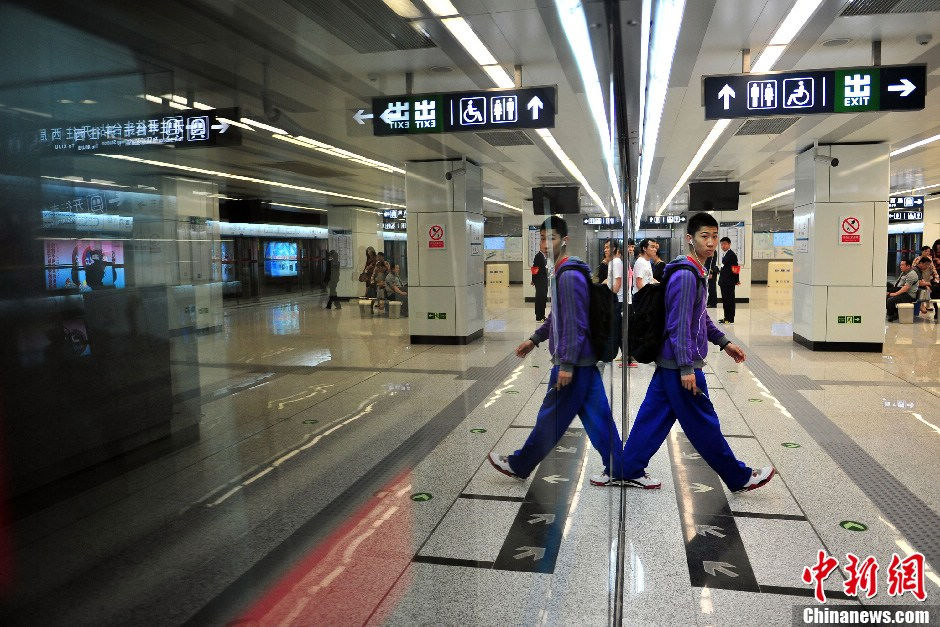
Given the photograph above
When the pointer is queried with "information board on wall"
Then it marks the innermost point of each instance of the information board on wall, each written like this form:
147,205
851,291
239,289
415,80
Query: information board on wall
735,232
778,245
509,249
535,239
342,244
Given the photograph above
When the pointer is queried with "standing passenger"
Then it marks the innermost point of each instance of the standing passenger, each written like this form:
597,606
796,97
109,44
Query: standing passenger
678,390
574,386
333,280
727,280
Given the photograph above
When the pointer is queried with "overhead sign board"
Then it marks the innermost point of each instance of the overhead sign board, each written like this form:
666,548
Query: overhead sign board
841,90
905,216
598,221
654,221
193,128
494,109
905,202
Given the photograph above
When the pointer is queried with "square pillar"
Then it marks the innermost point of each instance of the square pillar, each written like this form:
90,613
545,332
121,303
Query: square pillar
840,221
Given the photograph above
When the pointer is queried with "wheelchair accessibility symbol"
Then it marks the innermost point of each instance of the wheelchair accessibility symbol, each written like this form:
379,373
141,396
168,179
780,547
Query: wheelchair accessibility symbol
798,93
473,110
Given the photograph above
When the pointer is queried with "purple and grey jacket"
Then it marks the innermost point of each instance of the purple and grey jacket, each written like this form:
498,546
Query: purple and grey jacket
566,328
688,327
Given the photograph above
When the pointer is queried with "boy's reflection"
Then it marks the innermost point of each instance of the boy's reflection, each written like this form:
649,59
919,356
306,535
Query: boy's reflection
93,262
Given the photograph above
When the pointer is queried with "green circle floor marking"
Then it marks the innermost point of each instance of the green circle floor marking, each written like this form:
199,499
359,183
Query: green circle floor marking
420,497
512,391
477,430
755,400
790,445
851,525
311,422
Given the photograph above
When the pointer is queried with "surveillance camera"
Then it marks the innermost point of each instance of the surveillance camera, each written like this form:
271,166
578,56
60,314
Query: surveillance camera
450,175
924,39
835,162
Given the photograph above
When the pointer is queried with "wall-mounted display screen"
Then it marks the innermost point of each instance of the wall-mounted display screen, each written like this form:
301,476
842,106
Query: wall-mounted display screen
84,264
783,239
494,243
708,196
280,259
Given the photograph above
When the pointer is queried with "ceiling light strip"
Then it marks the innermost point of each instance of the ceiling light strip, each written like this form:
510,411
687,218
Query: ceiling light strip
710,140
574,23
501,204
248,179
264,126
774,197
918,144
663,40
566,161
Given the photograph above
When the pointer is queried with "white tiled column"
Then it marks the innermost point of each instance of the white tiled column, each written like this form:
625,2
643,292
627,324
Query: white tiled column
838,277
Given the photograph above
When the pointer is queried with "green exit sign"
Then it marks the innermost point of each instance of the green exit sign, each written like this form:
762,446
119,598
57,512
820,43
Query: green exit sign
437,315
850,319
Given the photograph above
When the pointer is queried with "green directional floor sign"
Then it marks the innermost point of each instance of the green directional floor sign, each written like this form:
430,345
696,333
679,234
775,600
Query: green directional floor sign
512,391
311,422
421,497
755,400
851,525
477,430
790,445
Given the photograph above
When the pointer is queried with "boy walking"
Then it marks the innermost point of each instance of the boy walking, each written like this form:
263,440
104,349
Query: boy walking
574,386
678,390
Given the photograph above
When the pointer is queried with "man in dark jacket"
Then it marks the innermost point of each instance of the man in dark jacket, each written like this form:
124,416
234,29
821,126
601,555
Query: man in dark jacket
540,281
678,390
727,280
574,386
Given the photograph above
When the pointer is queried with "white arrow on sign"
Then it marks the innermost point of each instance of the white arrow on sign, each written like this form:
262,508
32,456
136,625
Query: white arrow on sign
554,479
906,87
360,116
918,201
719,567
221,127
701,488
727,94
705,530
535,552
542,518
535,106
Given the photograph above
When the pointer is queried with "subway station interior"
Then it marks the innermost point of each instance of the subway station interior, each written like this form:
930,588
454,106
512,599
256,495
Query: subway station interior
267,269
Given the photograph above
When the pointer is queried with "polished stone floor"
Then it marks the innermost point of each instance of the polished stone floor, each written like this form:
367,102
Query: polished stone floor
339,477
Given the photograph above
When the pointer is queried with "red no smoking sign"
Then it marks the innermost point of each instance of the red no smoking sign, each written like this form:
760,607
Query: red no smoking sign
849,230
436,236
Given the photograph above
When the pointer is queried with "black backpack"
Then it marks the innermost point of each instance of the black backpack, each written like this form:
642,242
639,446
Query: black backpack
647,325
603,325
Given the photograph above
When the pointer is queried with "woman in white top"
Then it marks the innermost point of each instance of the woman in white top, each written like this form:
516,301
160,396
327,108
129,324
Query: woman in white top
642,268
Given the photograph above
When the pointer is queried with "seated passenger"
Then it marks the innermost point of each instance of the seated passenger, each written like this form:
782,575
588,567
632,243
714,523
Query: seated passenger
396,289
928,275
904,290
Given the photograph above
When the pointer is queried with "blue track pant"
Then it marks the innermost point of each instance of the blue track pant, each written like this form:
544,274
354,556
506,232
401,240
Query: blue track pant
584,397
667,401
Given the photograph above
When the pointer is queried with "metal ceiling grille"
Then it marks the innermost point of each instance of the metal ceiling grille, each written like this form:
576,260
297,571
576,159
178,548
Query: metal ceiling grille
715,175
505,138
766,126
366,25
305,169
883,7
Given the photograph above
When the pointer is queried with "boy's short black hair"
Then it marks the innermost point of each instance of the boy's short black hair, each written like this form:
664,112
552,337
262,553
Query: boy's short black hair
924,259
725,239
923,248
699,221
907,261
644,244
554,223
630,242
614,245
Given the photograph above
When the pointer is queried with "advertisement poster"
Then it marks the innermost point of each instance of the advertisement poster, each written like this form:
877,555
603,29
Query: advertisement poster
280,259
84,265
